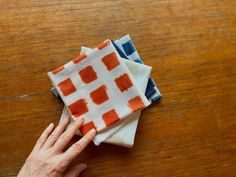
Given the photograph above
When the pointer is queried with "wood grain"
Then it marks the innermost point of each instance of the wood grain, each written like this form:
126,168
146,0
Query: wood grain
191,45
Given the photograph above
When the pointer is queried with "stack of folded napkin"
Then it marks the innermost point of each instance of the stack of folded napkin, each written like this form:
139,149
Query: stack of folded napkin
108,86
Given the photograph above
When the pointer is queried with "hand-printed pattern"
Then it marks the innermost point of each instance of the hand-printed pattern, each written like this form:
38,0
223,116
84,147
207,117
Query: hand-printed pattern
98,86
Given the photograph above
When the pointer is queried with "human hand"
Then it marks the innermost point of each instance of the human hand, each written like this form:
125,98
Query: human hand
49,157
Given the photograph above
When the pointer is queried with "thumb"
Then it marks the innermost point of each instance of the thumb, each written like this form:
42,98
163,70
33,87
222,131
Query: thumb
76,170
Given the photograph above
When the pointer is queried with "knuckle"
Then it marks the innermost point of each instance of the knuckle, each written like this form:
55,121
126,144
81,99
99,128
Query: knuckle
58,167
90,138
87,139
54,136
46,132
39,140
51,165
64,123
78,147
63,137
42,137
33,158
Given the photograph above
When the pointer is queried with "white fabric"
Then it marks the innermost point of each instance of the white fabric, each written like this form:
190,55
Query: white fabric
123,134
117,100
135,57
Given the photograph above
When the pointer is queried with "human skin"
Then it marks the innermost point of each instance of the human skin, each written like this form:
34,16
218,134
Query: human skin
49,156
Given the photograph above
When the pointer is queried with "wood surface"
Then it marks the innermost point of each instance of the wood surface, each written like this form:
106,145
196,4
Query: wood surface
191,45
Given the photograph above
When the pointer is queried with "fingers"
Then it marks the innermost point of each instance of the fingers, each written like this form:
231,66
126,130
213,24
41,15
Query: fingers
75,172
65,138
79,146
43,137
56,133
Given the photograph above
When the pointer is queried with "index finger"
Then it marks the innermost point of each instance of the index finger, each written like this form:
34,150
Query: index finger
79,146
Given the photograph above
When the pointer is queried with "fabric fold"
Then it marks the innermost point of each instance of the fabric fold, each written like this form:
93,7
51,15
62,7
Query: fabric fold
98,83
126,45
122,134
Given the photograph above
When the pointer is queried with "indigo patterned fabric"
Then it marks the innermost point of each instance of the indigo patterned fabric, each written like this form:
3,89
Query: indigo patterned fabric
119,51
126,49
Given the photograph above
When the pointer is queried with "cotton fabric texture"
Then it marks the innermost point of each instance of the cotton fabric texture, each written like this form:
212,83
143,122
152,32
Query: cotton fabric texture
122,134
98,83
127,47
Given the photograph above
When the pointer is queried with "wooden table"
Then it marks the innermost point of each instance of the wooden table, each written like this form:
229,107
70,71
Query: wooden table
191,45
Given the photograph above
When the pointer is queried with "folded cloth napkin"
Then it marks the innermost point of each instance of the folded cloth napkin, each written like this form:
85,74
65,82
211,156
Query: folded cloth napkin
126,45
122,134
98,83
125,135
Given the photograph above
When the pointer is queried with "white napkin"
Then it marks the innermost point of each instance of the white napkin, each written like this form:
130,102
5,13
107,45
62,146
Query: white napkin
98,83
123,134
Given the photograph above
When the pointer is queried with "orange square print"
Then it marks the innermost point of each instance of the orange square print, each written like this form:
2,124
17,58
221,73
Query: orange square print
58,70
67,87
103,45
78,108
99,95
110,117
123,82
110,61
88,74
136,104
86,127
80,58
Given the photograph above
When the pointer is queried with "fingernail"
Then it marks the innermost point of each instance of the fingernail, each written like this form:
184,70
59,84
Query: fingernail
92,131
51,125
